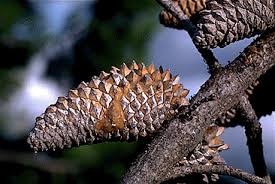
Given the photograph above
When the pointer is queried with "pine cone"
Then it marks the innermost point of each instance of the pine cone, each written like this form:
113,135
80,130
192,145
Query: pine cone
125,104
227,21
207,152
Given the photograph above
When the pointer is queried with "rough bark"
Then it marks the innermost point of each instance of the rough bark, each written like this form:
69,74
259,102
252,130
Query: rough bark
220,93
253,133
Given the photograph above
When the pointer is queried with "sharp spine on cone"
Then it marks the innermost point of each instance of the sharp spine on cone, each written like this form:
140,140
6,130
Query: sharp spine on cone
125,104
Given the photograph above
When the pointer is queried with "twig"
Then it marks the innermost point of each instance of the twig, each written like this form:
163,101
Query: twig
41,162
253,133
213,64
216,169
182,135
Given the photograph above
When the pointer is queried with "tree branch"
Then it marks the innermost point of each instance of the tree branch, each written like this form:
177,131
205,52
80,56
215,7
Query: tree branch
216,169
208,56
183,133
212,62
253,133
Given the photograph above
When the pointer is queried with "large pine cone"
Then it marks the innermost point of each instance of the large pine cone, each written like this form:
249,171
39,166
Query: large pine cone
222,22
226,21
124,104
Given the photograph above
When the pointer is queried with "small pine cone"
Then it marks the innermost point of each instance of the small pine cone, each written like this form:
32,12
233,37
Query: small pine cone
207,152
188,7
227,21
125,104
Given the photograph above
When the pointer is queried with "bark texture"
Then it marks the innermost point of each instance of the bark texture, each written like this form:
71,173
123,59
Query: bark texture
219,94
253,133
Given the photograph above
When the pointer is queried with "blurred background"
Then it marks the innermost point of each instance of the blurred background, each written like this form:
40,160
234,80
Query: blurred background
48,47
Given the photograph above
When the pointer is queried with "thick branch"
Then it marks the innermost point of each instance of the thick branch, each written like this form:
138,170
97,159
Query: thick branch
216,169
253,133
212,62
185,132
246,111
